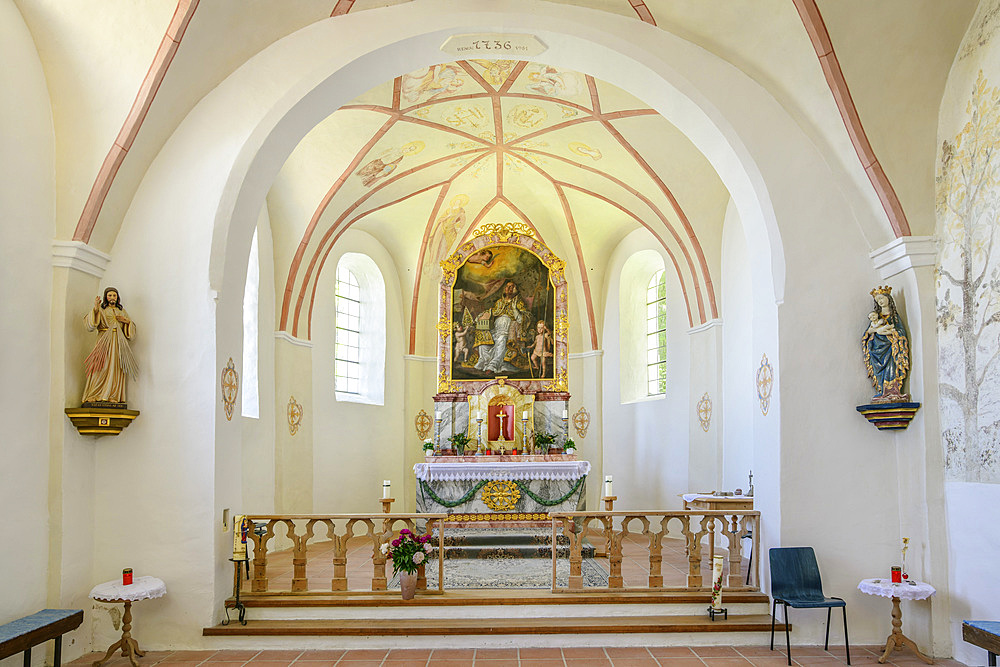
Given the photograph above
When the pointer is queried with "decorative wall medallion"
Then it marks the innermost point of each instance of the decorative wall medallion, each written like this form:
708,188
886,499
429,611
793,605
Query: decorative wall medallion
765,381
423,424
230,388
294,415
705,412
501,495
581,421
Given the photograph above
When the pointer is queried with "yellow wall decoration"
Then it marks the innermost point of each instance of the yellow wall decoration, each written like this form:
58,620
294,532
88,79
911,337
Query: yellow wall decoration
230,388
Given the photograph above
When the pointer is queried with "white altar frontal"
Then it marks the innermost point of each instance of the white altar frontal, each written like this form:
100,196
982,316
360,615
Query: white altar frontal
501,488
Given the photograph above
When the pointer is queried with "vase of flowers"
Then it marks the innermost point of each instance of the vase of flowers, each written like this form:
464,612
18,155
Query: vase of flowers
570,446
459,442
428,447
407,552
546,442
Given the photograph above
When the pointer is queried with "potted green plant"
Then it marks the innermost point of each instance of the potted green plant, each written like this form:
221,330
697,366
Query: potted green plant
545,441
428,447
569,446
459,442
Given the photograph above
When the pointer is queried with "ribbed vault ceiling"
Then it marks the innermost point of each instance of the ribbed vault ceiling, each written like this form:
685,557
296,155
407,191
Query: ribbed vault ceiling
423,159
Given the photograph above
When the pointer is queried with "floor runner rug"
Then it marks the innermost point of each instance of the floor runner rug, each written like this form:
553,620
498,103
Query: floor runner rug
509,573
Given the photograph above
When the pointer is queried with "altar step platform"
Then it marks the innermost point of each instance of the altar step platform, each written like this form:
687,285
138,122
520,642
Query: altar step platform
495,619
502,543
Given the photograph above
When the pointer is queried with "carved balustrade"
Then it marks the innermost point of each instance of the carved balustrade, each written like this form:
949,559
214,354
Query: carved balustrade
340,534
698,529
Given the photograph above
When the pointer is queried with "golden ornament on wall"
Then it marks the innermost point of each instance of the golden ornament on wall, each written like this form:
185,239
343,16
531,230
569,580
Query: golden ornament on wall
581,421
423,424
704,408
501,495
765,382
230,388
294,415
503,230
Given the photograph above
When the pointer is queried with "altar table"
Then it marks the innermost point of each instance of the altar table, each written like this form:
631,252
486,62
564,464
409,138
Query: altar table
507,488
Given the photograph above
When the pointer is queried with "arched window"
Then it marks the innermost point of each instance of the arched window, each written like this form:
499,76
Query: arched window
656,335
251,293
359,340
348,352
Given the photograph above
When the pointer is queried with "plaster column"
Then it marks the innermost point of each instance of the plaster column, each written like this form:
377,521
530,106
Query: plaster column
907,264
705,457
293,454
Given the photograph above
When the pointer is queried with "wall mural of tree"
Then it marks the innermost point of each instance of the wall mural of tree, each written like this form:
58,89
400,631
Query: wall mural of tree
968,291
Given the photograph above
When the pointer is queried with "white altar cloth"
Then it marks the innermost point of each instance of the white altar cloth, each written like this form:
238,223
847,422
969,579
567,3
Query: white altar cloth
918,590
519,471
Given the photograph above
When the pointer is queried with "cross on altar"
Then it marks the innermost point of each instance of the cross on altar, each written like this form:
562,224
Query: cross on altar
501,416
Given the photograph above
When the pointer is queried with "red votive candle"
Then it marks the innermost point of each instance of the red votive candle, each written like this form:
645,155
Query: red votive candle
897,574
127,576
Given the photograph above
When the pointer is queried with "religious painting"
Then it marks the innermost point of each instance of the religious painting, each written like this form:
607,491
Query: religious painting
502,314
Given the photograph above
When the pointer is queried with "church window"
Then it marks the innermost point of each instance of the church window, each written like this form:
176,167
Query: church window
656,335
348,351
251,294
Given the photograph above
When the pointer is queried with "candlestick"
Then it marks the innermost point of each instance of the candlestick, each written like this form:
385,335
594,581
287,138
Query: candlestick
524,433
565,413
607,486
437,414
386,487
437,431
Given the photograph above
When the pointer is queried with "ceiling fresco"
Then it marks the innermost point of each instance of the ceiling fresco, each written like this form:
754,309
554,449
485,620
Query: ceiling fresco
437,151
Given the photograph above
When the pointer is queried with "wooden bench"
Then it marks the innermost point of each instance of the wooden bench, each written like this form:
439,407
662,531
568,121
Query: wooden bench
22,634
984,634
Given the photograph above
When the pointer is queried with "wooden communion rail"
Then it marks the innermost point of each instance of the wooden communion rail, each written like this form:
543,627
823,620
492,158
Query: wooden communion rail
607,530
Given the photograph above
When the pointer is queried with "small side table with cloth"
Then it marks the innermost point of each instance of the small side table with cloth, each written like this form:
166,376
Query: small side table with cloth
918,590
143,588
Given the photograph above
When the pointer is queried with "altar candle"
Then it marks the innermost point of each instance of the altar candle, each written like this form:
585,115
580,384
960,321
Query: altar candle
437,414
386,487
524,415
717,562
565,413
607,486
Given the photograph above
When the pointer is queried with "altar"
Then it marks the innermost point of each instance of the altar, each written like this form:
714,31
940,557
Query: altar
501,488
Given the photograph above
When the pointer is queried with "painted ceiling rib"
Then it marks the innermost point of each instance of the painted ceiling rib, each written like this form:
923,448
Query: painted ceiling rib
673,258
514,74
581,264
706,275
642,11
638,195
334,189
171,41
342,7
397,87
595,99
819,36
350,209
428,229
311,287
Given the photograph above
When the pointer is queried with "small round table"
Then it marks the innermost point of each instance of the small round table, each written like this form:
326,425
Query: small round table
916,590
143,588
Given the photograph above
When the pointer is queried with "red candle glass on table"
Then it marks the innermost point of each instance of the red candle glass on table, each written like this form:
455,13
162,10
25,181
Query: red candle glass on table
127,576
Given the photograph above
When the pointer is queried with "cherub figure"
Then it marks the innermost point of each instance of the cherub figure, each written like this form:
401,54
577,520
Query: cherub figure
461,342
542,347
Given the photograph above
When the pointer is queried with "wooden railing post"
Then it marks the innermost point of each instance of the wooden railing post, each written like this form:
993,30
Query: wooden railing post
260,558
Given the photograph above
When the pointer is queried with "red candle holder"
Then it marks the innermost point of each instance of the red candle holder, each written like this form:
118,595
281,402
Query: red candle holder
897,574
127,576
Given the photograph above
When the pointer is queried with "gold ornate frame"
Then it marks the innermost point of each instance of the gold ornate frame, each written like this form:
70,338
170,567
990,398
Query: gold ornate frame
512,234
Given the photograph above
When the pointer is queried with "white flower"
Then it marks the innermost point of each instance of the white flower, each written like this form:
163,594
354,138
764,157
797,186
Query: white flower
385,548
428,548
418,558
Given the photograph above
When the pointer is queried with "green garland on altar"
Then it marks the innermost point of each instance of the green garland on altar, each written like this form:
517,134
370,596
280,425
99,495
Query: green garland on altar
520,485
550,503
441,501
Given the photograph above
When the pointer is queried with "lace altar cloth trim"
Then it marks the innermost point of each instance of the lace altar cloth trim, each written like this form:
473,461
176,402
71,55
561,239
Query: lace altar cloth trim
456,472
884,587
143,588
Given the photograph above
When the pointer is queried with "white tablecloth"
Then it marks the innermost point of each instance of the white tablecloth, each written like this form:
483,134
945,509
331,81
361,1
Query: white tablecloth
520,471
904,591
142,588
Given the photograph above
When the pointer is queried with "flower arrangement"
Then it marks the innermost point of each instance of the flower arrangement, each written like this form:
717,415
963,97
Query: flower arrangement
407,551
569,444
428,445
544,440
459,441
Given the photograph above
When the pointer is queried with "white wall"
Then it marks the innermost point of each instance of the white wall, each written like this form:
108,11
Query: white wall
645,440
366,439
27,175
737,402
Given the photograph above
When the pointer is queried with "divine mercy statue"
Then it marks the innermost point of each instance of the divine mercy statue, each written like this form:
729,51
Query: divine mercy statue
886,349
111,361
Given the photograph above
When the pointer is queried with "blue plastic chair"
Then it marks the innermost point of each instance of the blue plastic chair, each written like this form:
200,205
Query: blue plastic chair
795,582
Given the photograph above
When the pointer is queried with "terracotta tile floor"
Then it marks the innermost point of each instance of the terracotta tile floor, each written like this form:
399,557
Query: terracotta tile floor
667,656
319,564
